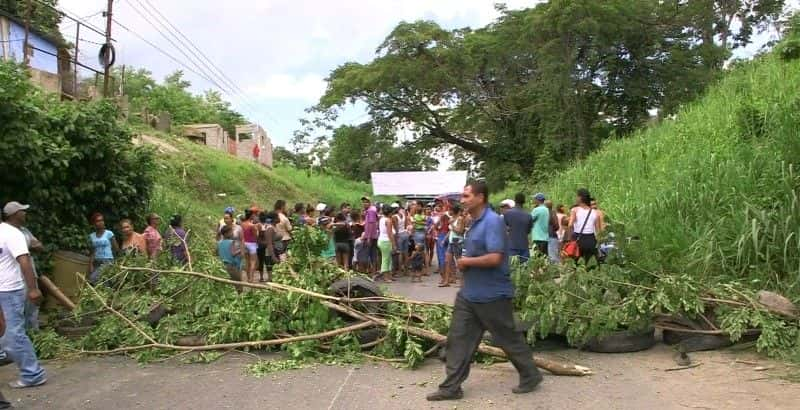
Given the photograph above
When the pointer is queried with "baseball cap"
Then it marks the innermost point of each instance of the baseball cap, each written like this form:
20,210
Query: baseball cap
321,207
539,197
508,202
13,207
365,198
395,205
229,210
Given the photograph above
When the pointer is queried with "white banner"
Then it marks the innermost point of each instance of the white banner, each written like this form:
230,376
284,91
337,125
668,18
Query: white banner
418,183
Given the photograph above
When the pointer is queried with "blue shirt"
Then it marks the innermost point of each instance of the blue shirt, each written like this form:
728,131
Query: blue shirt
487,235
225,253
519,224
102,244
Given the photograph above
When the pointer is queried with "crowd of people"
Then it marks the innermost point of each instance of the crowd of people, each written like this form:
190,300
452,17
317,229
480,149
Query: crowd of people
386,241
390,240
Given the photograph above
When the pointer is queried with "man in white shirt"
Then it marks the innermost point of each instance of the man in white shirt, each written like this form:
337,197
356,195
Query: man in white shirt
16,275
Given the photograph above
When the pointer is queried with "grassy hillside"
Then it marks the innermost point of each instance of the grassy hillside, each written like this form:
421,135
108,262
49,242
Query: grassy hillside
199,182
715,190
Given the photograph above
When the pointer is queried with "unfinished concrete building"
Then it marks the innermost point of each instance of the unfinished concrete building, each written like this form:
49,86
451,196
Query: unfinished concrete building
253,143
212,135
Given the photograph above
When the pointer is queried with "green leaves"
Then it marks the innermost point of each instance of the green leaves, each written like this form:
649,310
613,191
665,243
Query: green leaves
68,160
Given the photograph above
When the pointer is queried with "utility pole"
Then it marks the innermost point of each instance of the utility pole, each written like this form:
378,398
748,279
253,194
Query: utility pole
107,72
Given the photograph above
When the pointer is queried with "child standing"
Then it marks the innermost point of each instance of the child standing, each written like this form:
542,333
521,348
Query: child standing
231,255
417,263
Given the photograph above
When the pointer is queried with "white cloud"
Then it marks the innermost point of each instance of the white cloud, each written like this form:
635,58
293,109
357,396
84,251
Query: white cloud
278,51
308,87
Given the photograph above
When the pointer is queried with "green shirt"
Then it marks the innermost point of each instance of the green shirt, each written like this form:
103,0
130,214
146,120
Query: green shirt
541,220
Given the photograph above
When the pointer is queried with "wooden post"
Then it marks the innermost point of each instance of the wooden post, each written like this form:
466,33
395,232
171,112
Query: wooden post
75,63
107,71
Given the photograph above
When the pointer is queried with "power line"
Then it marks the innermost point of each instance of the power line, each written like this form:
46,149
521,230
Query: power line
72,23
177,47
75,19
199,67
180,33
192,45
92,42
213,70
160,50
170,56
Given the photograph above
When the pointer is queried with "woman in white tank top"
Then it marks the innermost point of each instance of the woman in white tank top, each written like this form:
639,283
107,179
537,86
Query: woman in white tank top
386,243
584,225
589,217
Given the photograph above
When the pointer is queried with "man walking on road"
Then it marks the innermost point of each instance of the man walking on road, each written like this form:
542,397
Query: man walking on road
484,302
519,224
16,274
541,224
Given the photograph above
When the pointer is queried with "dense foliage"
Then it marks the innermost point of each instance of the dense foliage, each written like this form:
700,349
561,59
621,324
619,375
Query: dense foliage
67,160
543,86
582,304
713,195
41,14
215,313
715,191
174,96
356,152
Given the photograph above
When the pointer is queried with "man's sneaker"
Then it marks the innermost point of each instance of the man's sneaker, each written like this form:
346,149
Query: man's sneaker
441,395
19,384
528,386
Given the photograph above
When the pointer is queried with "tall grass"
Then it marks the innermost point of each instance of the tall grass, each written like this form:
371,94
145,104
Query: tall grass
714,191
198,183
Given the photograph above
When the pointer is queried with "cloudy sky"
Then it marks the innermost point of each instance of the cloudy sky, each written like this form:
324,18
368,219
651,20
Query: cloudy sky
277,51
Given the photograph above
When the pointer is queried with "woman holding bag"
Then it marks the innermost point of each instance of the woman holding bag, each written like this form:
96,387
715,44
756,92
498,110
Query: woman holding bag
585,225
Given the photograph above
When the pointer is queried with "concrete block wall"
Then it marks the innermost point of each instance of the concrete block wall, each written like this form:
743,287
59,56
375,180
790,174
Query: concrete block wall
247,136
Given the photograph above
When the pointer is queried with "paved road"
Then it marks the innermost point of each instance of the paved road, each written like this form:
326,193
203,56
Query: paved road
625,381
629,381
426,291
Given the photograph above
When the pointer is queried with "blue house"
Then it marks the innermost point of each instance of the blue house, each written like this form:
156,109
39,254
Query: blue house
42,52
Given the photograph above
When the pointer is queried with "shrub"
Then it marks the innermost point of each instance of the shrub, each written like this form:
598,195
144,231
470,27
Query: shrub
67,160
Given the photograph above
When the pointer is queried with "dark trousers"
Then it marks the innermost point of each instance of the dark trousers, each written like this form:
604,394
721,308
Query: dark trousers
524,254
469,322
541,246
587,243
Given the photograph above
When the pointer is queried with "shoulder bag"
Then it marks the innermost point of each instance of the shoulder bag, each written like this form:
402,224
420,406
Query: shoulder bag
571,249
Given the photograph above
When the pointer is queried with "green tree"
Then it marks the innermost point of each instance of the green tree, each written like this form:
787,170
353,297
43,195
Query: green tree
68,160
220,112
356,151
559,78
43,17
175,98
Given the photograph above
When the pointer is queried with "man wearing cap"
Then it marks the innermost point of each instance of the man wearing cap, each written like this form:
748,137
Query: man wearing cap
519,223
484,302
371,232
505,206
541,224
16,275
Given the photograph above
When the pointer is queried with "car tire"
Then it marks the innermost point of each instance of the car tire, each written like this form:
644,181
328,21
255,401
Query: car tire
624,341
356,287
